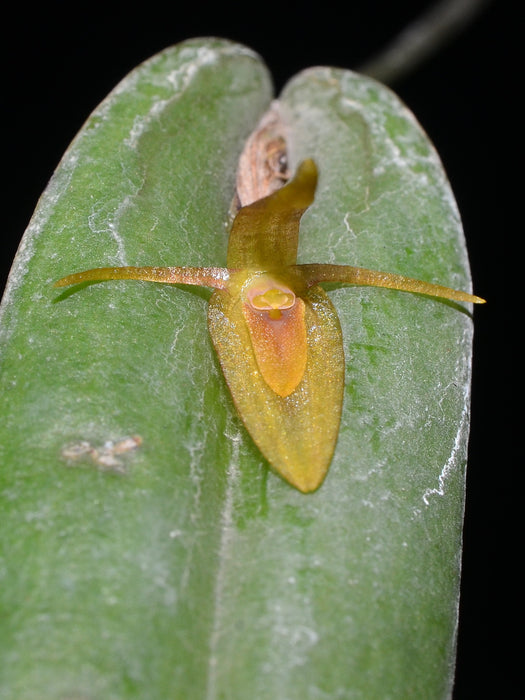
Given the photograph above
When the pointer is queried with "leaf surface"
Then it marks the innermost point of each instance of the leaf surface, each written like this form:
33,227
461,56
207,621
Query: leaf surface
188,569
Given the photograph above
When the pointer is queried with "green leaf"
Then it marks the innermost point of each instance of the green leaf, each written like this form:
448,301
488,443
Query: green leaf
184,568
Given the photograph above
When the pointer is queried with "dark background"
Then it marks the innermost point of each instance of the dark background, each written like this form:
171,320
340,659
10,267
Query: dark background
61,60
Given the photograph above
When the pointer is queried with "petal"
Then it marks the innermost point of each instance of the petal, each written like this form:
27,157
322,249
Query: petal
317,272
217,277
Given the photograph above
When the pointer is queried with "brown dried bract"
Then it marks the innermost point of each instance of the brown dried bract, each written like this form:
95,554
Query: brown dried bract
263,165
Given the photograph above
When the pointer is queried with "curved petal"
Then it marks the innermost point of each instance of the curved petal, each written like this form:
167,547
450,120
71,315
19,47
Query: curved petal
316,273
203,276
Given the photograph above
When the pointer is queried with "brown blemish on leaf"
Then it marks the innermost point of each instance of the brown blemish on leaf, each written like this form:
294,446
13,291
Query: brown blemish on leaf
106,457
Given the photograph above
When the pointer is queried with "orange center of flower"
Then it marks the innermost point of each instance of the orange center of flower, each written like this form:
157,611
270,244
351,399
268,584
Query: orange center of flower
269,295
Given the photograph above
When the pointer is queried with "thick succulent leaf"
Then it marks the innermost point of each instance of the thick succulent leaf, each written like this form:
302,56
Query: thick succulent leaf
109,579
183,567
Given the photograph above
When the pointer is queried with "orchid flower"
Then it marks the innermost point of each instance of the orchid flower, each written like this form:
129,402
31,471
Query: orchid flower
275,331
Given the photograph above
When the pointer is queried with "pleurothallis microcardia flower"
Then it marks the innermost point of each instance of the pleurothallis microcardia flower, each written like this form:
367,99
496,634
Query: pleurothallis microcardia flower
275,330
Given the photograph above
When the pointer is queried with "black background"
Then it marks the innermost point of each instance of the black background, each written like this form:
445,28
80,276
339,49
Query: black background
61,60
